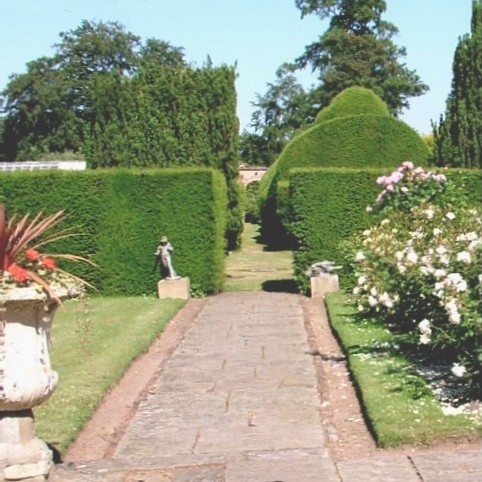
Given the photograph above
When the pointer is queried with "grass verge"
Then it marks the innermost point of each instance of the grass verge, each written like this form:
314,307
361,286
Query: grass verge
398,404
93,343
253,269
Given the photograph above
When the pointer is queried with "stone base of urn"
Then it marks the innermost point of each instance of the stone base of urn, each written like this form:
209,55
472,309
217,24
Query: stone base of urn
22,455
26,380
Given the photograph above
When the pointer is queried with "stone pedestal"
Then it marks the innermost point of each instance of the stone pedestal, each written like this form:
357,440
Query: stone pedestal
322,284
22,455
26,380
174,288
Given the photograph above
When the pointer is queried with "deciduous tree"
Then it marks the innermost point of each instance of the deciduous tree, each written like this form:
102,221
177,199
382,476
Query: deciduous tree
356,49
50,104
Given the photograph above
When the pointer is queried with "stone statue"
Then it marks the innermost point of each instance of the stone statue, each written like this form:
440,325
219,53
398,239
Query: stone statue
163,253
322,267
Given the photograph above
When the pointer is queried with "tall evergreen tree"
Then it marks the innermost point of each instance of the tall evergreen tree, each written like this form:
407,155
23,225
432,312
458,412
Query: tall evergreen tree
356,50
458,136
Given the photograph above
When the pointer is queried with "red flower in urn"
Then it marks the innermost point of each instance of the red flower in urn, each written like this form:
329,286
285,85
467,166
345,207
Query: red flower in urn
22,264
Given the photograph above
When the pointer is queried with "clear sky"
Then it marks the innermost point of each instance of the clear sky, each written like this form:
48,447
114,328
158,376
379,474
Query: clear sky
256,35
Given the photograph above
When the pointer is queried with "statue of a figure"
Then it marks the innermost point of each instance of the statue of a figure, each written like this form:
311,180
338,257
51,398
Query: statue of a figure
321,268
163,252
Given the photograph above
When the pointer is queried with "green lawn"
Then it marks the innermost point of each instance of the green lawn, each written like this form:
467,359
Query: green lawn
397,401
93,342
253,269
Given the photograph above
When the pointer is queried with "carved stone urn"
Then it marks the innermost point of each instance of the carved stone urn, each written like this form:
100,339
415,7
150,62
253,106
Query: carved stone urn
26,380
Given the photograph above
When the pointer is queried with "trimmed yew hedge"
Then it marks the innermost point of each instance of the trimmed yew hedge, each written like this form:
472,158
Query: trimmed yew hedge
353,101
120,216
327,206
355,141
354,131
169,117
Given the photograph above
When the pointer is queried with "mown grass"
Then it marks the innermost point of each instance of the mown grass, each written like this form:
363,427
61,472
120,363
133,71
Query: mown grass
252,268
93,342
399,406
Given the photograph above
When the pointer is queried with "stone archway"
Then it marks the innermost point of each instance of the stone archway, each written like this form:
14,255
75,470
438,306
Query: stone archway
249,174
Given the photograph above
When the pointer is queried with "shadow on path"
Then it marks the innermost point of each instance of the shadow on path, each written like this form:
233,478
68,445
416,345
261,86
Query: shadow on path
280,286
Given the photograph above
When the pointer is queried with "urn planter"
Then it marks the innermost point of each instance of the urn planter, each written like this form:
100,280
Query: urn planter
26,380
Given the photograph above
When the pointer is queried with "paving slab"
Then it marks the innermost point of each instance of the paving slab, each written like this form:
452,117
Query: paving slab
238,401
308,465
242,380
450,467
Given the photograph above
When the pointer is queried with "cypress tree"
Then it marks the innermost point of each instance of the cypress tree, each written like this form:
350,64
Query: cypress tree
458,136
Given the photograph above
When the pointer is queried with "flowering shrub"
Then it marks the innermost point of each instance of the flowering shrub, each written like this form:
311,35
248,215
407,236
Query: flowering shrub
22,264
420,268
409,186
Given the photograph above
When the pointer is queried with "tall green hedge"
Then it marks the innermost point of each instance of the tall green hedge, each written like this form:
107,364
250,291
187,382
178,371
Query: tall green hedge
353,132
327,206
168,117
120,216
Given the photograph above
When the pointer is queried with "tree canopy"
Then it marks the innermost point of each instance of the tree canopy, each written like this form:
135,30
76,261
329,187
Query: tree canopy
123,103
52,103
458,136
356,50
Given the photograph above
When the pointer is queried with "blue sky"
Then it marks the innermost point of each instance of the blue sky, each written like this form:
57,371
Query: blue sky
257,35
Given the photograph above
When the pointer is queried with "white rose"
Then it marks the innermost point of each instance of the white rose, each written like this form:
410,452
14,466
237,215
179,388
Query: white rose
455,318
474,244
458,370
386,300
399,255
424,327
425,270
359,256
453,312
464,257
444,259
441,250
440,273
412,256
424,339
457,281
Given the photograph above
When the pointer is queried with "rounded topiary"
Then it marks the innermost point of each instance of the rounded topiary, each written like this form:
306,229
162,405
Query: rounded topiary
353,101
354,141
355,131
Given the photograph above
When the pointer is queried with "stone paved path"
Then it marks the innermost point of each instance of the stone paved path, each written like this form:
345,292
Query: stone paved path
238,402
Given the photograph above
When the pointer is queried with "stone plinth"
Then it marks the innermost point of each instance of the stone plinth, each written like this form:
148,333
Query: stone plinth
324,283
174,288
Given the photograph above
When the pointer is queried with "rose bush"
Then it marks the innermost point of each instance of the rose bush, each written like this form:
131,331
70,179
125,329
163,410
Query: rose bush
419,269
